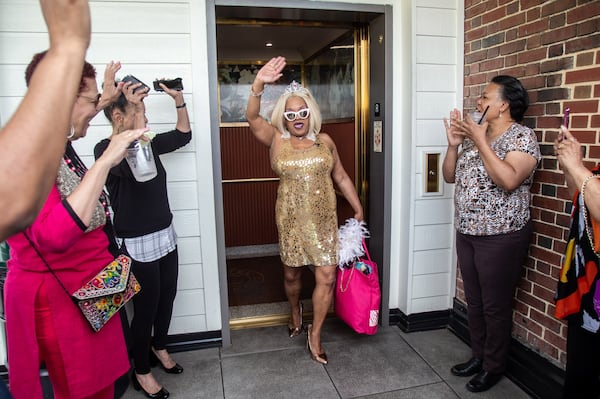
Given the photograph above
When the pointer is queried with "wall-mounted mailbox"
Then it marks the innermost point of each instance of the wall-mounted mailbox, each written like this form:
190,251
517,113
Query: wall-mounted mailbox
432,173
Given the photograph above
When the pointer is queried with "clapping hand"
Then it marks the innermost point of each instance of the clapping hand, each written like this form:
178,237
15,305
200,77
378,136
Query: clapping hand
453,134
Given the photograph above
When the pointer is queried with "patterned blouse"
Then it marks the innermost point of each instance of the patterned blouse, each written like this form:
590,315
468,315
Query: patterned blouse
481,207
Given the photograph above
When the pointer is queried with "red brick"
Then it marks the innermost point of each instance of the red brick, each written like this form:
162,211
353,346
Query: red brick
532,14
582,92
579,121
583,12
557,35
578,107
547,321
584,75
534,27
532,55
557,6
582,43
531,301
555,339
493,15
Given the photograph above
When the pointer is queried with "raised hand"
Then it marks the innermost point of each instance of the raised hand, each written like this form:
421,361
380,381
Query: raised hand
568,150
453,134
110,90
69,23
271,71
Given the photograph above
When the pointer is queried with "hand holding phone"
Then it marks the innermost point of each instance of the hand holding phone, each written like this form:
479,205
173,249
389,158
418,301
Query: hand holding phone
175,84
565,123
134,80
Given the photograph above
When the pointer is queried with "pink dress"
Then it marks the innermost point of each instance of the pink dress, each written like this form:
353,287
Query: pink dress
92,360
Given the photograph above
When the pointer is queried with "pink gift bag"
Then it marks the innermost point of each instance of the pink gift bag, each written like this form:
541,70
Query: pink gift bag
357,295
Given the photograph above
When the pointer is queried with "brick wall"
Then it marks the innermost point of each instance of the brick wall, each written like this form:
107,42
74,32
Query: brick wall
553,47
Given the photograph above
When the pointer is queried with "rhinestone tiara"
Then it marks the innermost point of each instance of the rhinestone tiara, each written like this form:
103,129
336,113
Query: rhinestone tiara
295,87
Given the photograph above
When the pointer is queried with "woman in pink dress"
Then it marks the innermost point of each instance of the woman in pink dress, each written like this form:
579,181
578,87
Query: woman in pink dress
73,234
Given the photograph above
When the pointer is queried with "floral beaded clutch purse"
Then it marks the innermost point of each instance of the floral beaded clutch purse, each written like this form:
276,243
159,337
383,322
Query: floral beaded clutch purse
108,291
102,297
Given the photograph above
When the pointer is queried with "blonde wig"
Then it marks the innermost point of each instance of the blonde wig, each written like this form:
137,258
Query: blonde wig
296,90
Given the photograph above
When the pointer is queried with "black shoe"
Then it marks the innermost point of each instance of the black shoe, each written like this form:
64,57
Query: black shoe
473,366
154,361
162,394
483,381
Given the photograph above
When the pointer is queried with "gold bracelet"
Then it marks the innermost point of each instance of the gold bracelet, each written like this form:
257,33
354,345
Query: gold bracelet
587,225
254,94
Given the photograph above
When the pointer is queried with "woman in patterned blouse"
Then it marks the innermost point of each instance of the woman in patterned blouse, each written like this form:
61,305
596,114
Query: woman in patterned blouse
492,163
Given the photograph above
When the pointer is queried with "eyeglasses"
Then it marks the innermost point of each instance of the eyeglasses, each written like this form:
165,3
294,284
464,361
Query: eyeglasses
291,116
93,100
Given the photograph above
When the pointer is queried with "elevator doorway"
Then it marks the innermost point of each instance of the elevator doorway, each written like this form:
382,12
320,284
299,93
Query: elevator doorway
332,60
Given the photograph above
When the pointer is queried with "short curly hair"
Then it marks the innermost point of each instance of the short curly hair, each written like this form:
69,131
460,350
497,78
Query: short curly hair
88,70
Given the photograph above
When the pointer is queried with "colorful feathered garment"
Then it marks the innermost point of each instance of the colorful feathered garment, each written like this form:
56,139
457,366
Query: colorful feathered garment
578,291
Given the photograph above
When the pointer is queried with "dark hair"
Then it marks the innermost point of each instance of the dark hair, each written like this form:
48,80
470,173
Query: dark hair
516,95
88,70
120,104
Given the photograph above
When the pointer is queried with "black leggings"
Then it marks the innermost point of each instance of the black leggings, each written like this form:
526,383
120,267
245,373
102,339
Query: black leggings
153,307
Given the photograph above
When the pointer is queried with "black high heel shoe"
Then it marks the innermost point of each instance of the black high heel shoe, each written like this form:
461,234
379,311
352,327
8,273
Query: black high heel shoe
295,331
162,394
154,361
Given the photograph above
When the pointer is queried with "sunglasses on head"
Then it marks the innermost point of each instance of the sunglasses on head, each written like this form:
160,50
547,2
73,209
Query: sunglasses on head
291,116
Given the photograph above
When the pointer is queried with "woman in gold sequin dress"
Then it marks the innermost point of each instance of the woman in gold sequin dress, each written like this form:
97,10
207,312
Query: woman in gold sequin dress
307,164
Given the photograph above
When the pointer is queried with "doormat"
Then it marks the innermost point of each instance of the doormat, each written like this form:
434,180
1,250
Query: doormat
252,281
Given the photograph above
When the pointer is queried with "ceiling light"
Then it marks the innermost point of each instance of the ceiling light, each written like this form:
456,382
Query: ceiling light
268,44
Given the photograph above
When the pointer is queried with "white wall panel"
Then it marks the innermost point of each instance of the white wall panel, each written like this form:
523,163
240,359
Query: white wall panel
434,211
188,324
432,261
189,250
436,78
432,237
430,304
189,303
436,21
186,223
183,195
450,4
431,285
18,47
151,18
434,105
180,166
431,132
190,277
436,50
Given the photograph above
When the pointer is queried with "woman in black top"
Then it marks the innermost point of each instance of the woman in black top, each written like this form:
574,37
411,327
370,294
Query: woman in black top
143,225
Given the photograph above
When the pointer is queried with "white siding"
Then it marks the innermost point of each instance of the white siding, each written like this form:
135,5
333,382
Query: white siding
437,80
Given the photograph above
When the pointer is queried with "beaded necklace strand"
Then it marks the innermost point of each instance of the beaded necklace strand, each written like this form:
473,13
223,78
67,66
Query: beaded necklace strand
76,165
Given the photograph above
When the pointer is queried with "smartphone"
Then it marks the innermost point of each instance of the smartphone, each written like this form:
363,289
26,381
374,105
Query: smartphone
565,123
134,80
566,117
175,84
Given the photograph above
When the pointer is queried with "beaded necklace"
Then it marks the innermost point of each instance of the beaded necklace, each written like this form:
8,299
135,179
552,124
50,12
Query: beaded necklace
76,165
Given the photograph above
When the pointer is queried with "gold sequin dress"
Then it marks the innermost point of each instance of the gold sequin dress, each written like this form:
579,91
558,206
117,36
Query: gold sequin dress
305,211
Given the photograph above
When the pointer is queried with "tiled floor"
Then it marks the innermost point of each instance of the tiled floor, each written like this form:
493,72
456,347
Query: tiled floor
264,363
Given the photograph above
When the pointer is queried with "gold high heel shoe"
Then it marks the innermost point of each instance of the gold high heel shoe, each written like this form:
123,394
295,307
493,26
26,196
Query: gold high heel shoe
295,331
317,357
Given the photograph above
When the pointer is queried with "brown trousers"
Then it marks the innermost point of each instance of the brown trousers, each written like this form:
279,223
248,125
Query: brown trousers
491,268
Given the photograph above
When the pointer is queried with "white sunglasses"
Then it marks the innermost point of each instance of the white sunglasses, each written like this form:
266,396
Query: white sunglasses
291,116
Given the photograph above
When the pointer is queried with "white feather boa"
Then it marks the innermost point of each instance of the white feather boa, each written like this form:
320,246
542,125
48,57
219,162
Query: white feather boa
350,237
